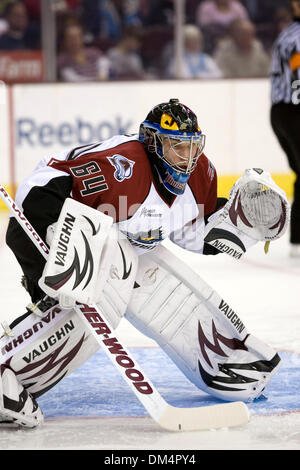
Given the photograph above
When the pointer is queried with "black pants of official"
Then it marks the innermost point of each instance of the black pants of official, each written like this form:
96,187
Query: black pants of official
285,121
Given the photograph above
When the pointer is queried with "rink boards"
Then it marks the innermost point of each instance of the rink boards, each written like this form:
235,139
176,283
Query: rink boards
43,119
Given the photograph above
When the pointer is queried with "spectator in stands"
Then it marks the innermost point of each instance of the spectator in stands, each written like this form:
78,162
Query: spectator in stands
3,6
20,33
77,63
220,12
157,12
104,19
125,58
263,13
196,64
242,55
3,26
3,22
282,18
33,9
215,16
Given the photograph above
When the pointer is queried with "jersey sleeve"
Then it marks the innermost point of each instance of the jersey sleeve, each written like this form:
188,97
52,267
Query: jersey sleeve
211,195
203,184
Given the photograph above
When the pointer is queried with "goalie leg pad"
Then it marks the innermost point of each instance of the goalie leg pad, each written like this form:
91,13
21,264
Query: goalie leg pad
120,278
41,351
198,330
17,406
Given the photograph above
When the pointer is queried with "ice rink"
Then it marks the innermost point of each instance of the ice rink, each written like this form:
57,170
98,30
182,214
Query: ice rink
94,409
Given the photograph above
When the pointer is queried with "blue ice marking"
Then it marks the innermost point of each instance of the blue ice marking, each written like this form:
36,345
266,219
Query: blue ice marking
96,389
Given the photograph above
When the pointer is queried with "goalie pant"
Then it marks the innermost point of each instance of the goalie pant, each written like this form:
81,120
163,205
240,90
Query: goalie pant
171,304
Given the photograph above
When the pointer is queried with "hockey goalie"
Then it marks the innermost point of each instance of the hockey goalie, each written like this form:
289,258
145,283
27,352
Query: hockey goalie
143,188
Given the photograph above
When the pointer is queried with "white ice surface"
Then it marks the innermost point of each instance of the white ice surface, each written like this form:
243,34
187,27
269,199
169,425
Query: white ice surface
264,290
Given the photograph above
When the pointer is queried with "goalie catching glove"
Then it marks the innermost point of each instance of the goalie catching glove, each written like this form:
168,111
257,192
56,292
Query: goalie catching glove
257,210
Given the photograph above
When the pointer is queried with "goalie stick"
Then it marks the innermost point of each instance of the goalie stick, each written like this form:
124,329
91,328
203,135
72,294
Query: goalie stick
166,415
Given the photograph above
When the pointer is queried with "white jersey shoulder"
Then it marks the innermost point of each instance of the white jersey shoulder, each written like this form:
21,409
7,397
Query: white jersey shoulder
43,173
75,152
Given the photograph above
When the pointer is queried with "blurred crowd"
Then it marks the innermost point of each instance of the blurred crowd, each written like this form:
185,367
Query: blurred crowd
134,39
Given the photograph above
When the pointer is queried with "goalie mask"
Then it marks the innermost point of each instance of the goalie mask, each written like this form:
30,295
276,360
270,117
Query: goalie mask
171,133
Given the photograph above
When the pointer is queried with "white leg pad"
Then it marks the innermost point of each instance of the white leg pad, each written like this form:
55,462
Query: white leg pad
44,350
17,406
198,330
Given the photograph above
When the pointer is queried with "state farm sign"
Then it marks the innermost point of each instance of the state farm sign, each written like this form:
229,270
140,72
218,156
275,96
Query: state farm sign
21,66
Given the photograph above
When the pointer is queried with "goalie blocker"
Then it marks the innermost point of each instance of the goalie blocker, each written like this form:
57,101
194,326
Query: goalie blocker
89,261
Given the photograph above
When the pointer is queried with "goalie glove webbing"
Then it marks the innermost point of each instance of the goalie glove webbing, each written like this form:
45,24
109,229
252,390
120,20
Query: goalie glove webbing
257,210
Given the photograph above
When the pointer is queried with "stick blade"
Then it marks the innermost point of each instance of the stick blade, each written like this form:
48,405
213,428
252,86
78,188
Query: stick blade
205,418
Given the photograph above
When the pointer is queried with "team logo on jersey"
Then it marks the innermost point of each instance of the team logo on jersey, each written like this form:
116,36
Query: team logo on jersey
123,166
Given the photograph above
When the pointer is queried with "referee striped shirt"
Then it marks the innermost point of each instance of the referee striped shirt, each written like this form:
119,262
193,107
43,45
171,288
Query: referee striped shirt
285,67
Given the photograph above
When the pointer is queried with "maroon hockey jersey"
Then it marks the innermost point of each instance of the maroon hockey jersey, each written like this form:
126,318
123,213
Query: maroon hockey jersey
116,177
